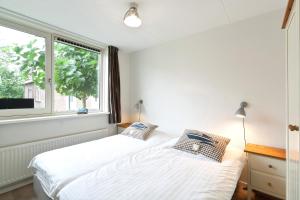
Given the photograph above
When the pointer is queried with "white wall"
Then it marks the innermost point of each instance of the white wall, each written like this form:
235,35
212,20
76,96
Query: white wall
198,82
11,134
125,85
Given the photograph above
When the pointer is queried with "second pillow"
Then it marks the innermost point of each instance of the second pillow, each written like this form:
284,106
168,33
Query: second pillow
139,130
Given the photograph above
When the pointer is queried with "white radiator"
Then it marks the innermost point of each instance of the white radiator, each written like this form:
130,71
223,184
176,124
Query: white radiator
15,159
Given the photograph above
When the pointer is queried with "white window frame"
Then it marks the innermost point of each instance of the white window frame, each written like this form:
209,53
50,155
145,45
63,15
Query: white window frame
48,47
100,75
49,35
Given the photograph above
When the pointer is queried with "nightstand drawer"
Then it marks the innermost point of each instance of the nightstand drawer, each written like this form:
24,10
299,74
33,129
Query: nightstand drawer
268,165
268,183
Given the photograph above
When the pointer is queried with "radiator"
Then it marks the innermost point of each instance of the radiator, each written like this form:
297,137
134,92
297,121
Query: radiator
14,160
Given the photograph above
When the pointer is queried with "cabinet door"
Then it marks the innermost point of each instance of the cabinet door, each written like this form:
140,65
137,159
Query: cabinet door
293,103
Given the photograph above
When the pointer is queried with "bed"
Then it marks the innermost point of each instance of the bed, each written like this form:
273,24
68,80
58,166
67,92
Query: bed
162,173
53,170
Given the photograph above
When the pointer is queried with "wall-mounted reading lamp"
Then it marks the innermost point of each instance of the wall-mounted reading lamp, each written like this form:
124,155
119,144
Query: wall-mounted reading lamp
241,113
139,107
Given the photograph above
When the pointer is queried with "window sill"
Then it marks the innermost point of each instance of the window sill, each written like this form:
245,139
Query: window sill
49,117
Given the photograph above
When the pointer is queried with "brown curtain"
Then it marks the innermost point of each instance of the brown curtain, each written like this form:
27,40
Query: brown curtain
114,91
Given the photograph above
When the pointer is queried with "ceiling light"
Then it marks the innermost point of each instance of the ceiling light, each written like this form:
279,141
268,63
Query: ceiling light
131,17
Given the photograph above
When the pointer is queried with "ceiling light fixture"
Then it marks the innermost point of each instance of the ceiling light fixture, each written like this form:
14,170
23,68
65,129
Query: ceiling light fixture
131,17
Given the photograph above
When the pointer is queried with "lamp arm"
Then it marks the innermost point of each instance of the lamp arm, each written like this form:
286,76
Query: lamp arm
244,131
140,111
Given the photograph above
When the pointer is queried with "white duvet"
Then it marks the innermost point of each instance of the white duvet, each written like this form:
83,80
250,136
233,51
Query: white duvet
57,168
160,173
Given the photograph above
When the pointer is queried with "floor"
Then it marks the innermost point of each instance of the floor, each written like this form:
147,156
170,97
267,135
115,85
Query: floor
241,194
23,193
26,193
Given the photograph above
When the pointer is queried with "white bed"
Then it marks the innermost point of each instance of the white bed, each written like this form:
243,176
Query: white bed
55,169
160,173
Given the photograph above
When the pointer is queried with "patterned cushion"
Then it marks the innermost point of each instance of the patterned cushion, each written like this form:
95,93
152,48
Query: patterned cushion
139,130
209,145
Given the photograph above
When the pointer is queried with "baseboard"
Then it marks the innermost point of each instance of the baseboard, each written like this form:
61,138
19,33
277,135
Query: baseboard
16,185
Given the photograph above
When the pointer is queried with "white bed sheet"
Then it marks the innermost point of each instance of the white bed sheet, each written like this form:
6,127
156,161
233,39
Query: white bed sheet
57,168
160,173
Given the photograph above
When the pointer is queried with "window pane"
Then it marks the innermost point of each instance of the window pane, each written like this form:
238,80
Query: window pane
22,69
76,78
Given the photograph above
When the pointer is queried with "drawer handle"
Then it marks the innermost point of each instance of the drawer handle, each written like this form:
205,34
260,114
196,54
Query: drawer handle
270,166
269,184
293,127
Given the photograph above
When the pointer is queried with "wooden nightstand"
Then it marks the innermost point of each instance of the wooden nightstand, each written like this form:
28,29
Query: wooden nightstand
123,126
266,170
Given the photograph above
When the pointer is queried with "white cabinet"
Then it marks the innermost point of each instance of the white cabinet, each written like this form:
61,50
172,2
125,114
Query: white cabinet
266,170
267,175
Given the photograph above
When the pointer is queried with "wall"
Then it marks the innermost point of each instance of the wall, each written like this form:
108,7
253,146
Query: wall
198,82
19,133
125,85
11,134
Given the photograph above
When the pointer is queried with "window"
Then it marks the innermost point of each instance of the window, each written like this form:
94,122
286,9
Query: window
64,79
23,65
76,76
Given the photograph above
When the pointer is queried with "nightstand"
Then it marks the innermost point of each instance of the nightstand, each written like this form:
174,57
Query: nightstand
266,170
122,126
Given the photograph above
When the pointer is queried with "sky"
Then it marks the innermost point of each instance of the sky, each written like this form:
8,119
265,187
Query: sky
10,36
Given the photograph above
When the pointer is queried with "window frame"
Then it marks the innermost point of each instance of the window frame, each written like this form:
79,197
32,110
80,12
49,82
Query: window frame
100,75
48,47
49,37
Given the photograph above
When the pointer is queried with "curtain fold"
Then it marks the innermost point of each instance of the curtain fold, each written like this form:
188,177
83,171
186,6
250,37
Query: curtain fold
114,90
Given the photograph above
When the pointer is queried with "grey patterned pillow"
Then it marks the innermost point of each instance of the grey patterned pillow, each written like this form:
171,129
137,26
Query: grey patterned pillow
139,130
209,145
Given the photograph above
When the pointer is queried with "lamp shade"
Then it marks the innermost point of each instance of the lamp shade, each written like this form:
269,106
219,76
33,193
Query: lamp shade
132,18
241,111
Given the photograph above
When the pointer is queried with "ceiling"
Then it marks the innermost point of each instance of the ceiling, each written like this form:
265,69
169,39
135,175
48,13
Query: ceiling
163,20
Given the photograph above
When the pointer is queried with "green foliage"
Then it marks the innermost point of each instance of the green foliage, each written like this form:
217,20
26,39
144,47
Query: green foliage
76,72
32,61
11,85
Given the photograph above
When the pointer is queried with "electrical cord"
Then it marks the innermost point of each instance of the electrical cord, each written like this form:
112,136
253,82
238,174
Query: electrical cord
244,132
245,141
140,111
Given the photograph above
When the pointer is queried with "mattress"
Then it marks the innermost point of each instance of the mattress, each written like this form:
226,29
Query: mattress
55,169
38,190
160,173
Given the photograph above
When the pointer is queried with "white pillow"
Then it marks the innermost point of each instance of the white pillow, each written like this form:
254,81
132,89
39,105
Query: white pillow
139,130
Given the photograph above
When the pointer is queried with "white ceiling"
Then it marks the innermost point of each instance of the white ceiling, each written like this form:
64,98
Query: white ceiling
163,20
